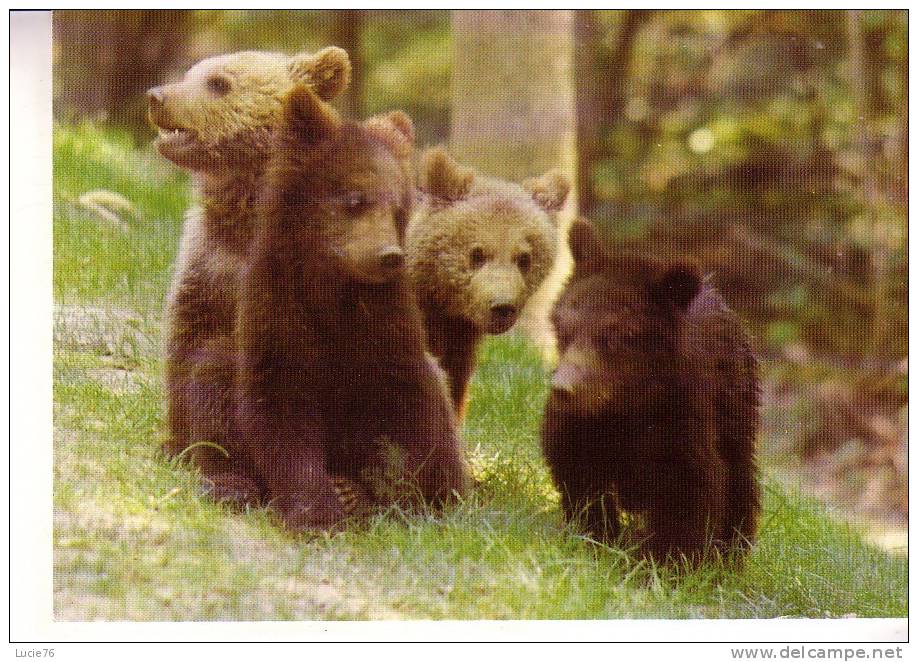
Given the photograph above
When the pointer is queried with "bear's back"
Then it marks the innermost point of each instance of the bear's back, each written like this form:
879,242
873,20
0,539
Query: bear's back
715,345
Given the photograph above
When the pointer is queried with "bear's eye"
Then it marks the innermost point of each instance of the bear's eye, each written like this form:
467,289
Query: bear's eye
564,337
477,257
524,261
355,202
219,85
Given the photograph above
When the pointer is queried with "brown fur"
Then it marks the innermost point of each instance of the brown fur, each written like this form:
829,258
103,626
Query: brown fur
225,143
334,378
654,404
477,249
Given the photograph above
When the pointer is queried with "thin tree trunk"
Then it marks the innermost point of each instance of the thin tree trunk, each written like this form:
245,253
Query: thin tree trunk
902,187
348,34
602,77
590,102
871,195
514,113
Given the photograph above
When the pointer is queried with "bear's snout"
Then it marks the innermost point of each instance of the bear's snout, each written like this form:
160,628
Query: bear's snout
576,380
503,316
379,265
391,258
156,96
158,111
565,379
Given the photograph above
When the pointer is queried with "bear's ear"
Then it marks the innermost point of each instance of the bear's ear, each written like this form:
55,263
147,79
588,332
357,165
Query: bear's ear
678,285
328,71
395,129
550,191
400,121
587,248
309,118
442,177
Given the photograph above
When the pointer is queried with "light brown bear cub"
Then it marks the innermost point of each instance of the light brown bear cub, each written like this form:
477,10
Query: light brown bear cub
218,122
477,249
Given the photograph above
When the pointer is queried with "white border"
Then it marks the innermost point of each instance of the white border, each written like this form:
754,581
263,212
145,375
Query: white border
30,435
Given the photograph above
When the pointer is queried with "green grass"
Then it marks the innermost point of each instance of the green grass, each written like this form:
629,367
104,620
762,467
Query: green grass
94,260
134,540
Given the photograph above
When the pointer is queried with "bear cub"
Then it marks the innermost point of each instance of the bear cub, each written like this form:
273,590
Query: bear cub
217,123
654,405
477,249
334,379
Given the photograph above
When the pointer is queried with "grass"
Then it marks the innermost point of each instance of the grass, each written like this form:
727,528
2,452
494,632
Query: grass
133,540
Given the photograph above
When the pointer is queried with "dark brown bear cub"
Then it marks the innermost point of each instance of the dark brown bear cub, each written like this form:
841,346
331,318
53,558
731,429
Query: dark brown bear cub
333,375
653,408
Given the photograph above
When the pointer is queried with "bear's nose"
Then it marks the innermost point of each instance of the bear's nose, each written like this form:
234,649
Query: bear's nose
156,96
391,258
565,379
503,312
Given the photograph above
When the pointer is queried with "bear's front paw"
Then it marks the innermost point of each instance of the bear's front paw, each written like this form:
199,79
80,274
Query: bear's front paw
310,509
232,489
353,497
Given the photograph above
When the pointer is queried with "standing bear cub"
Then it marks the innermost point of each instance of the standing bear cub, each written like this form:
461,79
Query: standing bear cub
334,379
477,248
218,122
653,408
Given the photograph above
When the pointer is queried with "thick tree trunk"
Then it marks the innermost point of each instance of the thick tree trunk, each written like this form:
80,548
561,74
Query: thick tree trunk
514,112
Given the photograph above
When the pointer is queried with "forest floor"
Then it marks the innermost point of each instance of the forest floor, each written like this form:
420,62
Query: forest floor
134,540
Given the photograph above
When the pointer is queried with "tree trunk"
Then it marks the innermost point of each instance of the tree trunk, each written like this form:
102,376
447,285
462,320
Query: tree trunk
871,195
901,188
602,75
106,60
348,34
591,100
514,113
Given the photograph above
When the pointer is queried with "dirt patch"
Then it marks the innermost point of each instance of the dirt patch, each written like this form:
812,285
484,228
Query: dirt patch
845,446
103,331
117,380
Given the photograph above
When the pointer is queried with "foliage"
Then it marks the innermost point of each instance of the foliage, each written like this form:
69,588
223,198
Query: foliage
742,141
748,138
409,67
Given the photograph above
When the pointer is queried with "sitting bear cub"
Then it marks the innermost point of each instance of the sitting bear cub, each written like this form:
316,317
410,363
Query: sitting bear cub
334,379
653,408
217,122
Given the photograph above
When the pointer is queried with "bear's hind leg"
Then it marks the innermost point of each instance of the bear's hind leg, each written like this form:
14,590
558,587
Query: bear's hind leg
738,420
598,513
744,505
200,386
422,469
232,488
687,514
429,463
292,464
